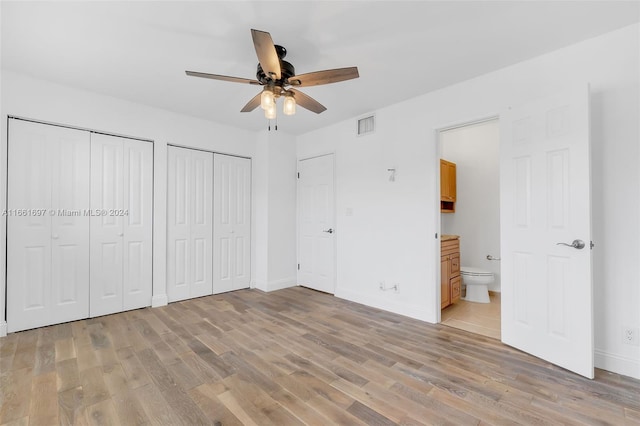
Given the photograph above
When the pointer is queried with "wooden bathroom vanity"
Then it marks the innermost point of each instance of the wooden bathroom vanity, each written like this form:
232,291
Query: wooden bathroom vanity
450,280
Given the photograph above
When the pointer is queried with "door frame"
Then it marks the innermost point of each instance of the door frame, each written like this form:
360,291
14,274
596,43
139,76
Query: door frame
438,222
333,214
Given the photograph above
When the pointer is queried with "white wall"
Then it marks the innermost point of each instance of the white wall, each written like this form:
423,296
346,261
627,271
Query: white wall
391,233
476,151
275,178
36,99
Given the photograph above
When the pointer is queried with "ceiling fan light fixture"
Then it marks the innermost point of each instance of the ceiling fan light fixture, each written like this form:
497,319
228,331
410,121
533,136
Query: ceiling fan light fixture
289,107
267,99
270,111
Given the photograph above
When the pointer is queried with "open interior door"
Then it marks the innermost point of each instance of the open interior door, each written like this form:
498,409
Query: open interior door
547,307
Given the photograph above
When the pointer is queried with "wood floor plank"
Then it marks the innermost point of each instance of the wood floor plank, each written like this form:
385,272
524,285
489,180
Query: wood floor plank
178,400
67,375
8,346
44,399
93,386
70,406
25,355
129,409
17,395
368,415
155,406
212,407
299,408
65,349
136,374
102,413
293,356
235,407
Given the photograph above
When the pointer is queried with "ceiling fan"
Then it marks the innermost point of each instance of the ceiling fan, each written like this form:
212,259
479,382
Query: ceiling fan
278,78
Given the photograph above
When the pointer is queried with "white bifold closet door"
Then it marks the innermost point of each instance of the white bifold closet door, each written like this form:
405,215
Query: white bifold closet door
231,223
121,224
189,223
47,228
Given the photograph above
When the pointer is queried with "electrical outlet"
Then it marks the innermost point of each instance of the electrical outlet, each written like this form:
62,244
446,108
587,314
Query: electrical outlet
630,336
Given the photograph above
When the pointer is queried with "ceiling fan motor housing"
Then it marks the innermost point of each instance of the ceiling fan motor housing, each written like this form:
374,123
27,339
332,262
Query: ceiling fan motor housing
287,70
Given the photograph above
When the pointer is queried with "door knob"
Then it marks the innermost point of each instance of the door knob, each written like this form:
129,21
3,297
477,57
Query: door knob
330,230
576,244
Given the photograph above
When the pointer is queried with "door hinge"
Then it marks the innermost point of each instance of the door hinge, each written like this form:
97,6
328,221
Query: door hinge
298,266
591,244
436,235
298,175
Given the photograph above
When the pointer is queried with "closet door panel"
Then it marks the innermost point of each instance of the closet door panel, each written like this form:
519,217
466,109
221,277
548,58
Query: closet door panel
189,220
138,224
201,230
242,225
106,228
28,237
178,213
232,223
47,236
70,194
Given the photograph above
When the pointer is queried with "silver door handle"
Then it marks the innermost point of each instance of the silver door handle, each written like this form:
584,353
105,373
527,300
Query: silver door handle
576,244
330,230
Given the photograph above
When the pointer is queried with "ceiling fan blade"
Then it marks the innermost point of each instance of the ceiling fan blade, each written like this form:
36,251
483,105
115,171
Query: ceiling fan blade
266,51
222,77
252,104
307,102
324,77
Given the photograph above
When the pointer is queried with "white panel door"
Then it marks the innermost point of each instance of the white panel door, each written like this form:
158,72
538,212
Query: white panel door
545,202
137,281
316,229
47,230
106,229
232,223
189,223
121,224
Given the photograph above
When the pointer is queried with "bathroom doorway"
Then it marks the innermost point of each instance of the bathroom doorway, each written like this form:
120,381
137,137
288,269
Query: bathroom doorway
470,227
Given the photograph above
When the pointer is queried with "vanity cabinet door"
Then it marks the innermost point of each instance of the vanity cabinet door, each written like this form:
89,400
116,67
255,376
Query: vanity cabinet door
445,293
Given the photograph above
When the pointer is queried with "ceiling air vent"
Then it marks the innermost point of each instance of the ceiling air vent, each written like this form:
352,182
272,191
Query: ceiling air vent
366,125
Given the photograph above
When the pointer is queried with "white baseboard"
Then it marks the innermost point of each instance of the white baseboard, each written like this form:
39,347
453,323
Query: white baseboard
3,328
412,311
276,285
617,364
159,300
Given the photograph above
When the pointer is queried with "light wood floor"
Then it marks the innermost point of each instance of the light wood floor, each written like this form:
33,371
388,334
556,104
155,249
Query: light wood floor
479,318
294,356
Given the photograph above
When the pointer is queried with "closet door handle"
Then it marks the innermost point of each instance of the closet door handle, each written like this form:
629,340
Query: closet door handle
330,230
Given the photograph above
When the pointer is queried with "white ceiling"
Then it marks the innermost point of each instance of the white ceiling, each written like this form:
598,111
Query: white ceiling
140,50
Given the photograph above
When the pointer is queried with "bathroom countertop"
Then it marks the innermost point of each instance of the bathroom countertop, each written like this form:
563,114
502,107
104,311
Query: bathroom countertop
445,237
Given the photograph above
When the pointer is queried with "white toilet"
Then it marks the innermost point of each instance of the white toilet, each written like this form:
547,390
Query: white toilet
476,280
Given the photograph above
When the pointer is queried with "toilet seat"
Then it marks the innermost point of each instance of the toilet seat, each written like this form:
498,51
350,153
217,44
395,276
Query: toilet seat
474,272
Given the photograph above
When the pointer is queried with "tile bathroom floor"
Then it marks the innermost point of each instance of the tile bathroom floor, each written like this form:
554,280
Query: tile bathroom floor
479,318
